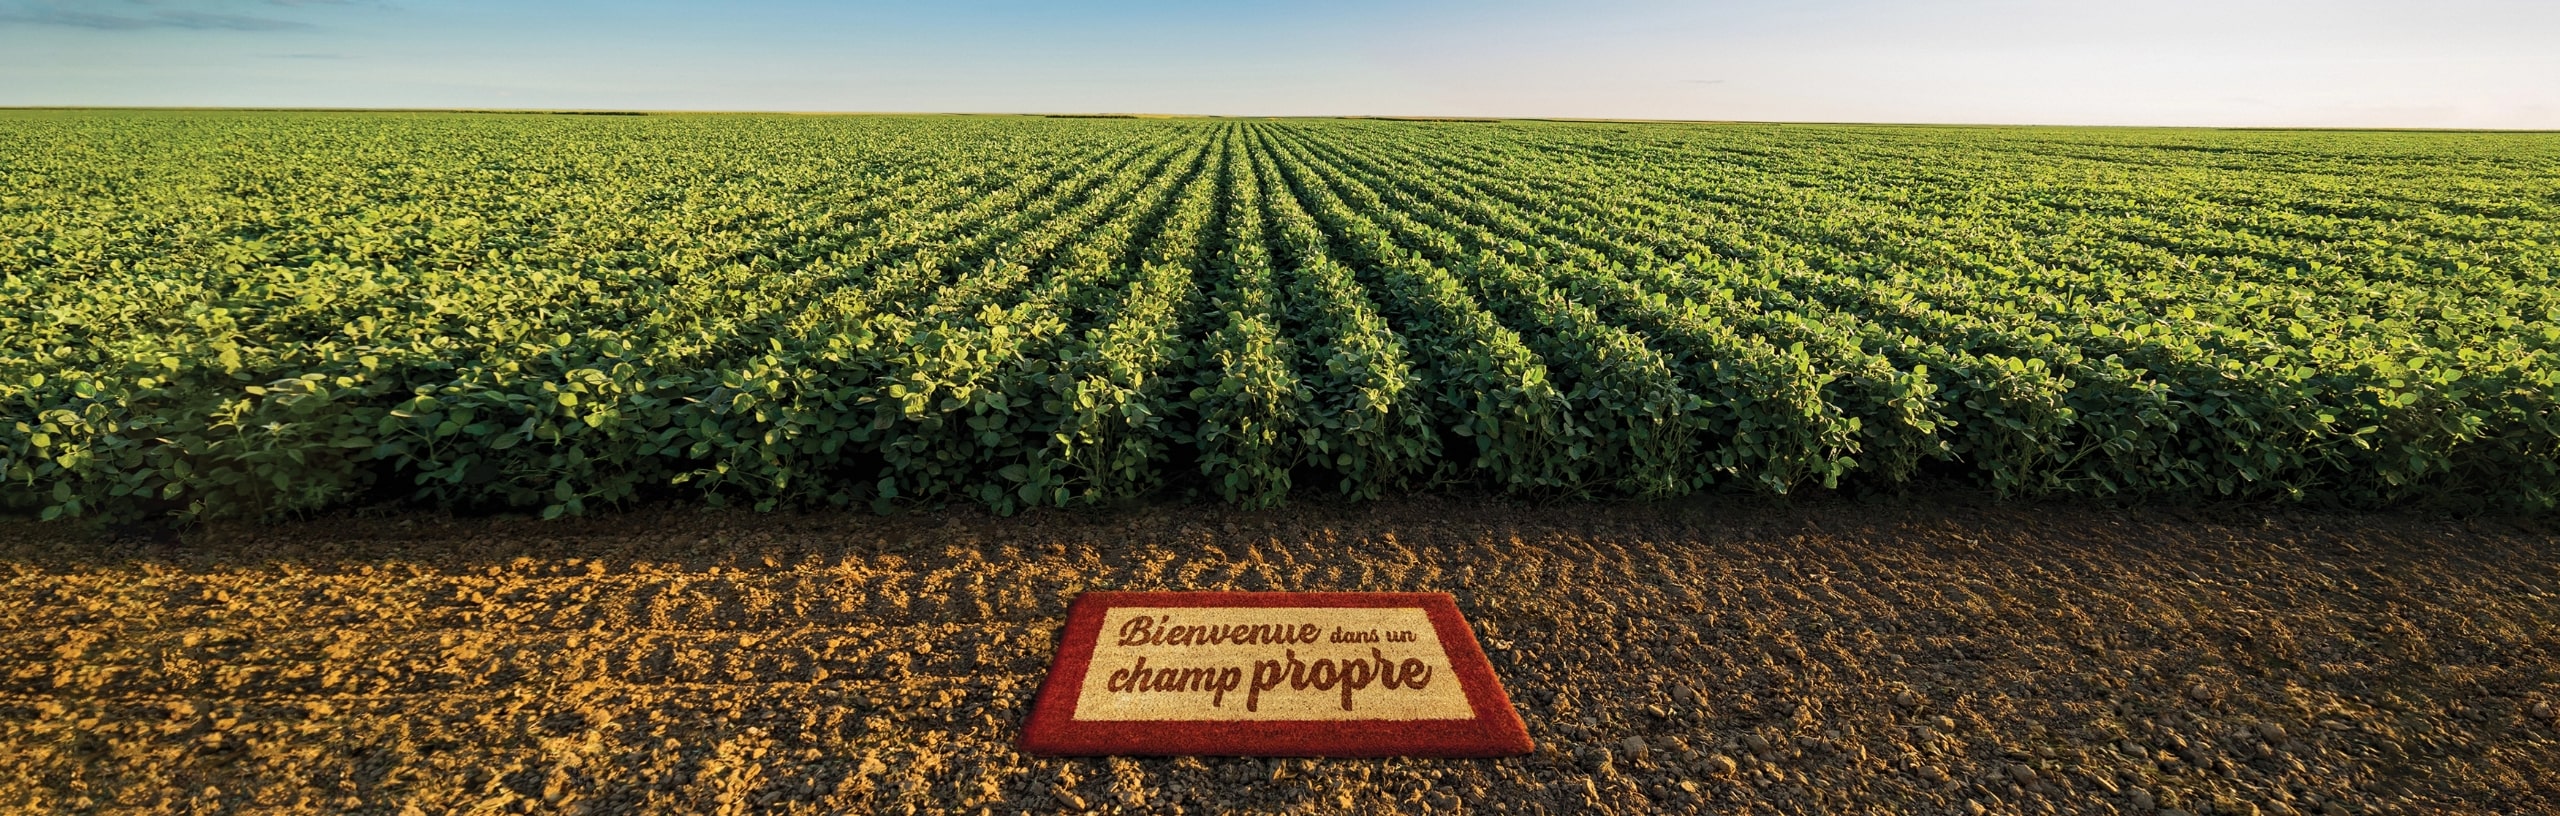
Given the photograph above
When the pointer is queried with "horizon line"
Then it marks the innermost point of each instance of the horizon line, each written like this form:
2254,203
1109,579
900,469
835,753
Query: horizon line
1145,115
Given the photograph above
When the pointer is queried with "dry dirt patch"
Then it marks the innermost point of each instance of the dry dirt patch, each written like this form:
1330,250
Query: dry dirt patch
1824,657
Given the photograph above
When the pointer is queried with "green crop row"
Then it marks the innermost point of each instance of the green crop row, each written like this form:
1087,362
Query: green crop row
247,314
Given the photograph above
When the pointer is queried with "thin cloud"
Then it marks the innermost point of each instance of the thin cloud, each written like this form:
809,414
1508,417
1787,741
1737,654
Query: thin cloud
1704,81
307,56
190,20
284,3
143,15
224,22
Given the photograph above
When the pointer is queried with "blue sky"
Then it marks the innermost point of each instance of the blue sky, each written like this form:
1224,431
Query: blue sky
2402,63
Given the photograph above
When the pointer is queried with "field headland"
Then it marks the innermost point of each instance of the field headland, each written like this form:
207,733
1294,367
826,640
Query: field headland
1918,656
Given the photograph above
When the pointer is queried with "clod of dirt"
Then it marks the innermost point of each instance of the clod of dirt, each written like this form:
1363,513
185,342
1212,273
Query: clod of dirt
1634,748
1597,759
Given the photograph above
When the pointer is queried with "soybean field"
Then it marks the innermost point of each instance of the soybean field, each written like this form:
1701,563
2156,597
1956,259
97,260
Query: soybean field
252,314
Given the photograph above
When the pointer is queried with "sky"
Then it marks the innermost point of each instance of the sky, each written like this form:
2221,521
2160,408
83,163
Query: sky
2280,63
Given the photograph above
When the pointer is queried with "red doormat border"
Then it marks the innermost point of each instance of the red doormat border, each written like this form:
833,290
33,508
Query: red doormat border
1496,729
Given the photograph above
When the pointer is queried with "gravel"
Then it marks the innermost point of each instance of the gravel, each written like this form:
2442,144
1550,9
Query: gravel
1821,656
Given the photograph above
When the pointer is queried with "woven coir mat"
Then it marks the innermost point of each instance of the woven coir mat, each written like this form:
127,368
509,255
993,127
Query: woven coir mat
1341,674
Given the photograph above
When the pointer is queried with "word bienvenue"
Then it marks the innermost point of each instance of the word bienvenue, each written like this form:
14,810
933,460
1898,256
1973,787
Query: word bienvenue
1343,676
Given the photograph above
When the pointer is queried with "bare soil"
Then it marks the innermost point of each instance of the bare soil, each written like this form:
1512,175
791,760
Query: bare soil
1919,656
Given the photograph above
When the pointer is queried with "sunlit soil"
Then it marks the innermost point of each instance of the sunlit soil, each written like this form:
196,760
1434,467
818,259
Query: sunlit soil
1939,656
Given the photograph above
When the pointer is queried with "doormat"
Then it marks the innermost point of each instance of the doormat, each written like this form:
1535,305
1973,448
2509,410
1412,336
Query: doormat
1271,674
